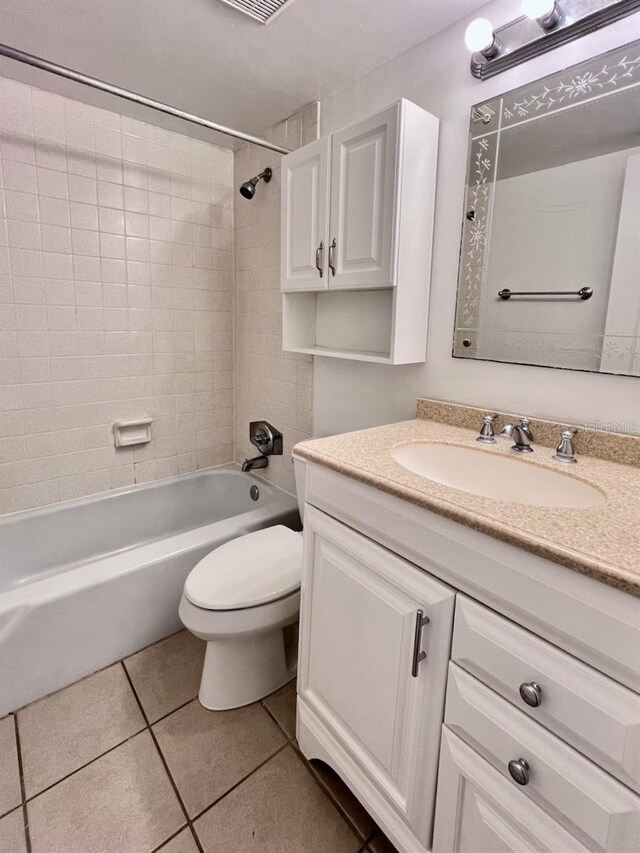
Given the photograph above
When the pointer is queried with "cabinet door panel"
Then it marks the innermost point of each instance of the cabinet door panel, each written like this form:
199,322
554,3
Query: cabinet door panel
367,627
479,812
363,189
358,619
305,212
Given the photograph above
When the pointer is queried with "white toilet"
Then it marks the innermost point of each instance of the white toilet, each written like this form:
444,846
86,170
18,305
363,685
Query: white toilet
244,599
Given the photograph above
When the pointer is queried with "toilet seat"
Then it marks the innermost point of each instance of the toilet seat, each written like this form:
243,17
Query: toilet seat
249,571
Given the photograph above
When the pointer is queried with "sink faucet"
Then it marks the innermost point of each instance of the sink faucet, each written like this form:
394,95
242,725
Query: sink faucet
521,434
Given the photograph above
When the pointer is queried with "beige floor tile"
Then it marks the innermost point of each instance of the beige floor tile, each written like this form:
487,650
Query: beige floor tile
347,802
12,837
62,732
10,795
210,751
282,705
280,809
168,674
182,843
121,803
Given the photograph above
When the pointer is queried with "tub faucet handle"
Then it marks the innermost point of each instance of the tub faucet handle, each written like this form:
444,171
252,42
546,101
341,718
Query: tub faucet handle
266,438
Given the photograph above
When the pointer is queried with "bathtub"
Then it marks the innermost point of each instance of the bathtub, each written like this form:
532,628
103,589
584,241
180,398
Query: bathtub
86,582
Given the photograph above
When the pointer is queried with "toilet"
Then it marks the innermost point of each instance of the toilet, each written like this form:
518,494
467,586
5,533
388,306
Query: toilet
243,599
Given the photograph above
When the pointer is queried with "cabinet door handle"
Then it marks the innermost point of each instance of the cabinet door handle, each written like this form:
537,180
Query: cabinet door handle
418,655
332,263
318,261
519,770
531,693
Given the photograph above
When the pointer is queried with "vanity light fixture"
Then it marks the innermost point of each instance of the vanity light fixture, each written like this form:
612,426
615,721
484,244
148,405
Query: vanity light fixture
546,13
544,25
479,37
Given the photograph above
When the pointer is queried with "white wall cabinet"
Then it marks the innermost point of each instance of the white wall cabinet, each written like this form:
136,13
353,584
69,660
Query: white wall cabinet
373,656
364,185
305,222
357,217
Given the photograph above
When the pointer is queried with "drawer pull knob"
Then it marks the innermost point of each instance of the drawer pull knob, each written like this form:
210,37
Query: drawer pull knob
531,693
519,770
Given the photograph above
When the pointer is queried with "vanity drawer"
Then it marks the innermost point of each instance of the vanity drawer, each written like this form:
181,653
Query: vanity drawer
585,708
599,811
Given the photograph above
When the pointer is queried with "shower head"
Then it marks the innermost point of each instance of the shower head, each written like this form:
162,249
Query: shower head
248,189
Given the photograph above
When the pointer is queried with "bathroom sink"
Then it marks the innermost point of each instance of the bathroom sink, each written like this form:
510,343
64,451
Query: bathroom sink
481,472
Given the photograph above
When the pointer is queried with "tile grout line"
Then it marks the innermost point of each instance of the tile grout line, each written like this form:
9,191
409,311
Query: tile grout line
169,713
85,765
241,781
170,839
96,672
273,717
164,762
25,813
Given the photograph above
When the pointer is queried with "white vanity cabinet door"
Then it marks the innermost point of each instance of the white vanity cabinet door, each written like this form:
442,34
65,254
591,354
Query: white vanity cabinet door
477,811
360,606
305,217
364,186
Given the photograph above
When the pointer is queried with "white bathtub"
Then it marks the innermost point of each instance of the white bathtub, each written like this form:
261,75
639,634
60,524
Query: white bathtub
84,583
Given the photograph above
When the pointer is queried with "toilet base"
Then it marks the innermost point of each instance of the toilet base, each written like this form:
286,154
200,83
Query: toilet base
243,670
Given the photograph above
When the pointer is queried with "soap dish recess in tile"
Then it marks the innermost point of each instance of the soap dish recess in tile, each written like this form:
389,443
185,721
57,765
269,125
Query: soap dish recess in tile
127,433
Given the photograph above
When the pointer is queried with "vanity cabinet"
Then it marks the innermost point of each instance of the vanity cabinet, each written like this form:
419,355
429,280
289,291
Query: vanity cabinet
530,696
375,638
356,232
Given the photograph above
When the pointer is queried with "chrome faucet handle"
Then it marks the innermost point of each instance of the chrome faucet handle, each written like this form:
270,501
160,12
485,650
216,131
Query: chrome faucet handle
506,430
564,450
487,433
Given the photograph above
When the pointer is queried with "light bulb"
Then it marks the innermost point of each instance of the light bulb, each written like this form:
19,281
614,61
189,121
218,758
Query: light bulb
535,9
479,35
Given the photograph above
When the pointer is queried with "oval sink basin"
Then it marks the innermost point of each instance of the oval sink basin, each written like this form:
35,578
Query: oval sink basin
504,478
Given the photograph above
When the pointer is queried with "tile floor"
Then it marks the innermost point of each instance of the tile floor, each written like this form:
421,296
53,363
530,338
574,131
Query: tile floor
128,761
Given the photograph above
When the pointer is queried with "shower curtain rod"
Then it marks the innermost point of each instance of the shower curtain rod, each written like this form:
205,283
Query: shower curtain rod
70,74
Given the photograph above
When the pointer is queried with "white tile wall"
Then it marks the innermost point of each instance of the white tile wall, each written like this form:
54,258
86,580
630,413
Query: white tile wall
269,384
116,298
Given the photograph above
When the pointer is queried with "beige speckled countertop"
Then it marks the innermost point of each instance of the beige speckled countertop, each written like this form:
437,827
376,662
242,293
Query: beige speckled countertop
602,541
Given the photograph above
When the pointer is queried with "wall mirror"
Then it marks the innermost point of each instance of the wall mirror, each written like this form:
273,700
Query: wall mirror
550,257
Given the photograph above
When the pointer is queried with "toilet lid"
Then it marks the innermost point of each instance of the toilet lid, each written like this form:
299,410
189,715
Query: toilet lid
248,571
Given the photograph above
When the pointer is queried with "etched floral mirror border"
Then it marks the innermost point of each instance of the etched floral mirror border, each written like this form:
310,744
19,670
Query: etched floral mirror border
594,78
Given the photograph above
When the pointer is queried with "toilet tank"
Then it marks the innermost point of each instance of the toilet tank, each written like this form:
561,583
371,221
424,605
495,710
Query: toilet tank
299,472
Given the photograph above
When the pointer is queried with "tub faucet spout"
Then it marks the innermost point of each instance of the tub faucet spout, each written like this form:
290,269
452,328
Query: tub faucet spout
256,462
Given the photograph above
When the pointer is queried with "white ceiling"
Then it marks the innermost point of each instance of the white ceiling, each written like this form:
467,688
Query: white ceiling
206,58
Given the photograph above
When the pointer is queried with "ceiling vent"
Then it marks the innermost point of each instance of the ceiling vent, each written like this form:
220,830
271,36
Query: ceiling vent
260,10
